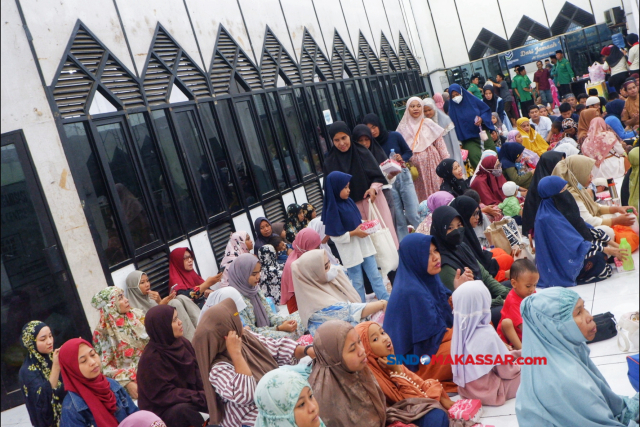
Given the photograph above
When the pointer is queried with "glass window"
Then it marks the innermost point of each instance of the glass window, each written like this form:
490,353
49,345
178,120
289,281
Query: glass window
579,52
237,159
258,165
93,192
274,156
127,186
353,100
155,175
204,177
307,127
318,121
340,114
222,164
184,197
395,87
295,130
377,103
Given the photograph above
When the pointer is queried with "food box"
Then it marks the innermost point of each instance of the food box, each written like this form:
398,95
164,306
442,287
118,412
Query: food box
466,409
370,227
390,166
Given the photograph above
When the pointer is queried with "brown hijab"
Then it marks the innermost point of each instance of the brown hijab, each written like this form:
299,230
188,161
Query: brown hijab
585,121
209,344
345,398
576,170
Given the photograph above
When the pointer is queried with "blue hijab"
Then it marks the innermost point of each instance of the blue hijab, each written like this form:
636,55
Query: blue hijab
463,115
509,153
569,390
418,313
560,249
615,108
339,216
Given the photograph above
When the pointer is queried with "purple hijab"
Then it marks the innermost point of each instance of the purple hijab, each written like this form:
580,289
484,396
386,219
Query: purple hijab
239,272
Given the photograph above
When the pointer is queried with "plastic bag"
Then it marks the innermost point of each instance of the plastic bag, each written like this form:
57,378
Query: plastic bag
596,73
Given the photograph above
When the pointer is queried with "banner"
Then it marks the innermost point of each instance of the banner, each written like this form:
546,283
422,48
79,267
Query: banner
533,52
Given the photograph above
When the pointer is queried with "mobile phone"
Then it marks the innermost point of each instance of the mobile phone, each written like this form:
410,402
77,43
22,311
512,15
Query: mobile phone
222,268
173,288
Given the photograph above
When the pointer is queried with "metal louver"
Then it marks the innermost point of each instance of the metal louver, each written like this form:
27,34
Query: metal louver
229,59
406,56
156,267
88,66
156,81
314,195
276,59
366,57
342,59
219,237
313,59
388,58
274,211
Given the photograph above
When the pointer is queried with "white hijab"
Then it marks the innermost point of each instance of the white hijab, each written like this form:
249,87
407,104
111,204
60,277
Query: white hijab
317,225
222,294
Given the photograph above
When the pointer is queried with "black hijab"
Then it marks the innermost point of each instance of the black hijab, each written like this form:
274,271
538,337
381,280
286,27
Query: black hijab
457,256
373,119
374,147
450,183
615,55
466,207
493,103
357,161
546,164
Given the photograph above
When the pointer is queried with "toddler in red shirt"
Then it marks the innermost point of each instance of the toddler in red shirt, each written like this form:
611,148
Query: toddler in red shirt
524,278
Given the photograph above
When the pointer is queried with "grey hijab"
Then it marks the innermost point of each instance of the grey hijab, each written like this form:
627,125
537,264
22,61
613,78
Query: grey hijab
239,272
134,294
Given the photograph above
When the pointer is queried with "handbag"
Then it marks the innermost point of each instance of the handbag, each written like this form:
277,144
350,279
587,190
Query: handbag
628,331
606,324
414,170
504,234
387,256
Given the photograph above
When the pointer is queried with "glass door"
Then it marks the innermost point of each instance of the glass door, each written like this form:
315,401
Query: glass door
36,283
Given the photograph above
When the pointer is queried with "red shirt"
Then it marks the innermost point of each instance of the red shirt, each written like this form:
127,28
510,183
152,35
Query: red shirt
511,310
541,77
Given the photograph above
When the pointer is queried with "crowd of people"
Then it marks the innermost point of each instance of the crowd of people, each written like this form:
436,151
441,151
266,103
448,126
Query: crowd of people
299,325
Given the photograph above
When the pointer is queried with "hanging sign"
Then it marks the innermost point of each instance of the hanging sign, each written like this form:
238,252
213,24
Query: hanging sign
532,52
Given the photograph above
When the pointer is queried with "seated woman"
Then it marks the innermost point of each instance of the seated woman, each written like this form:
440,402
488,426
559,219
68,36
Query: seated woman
630,189
92,398
188,281
419,316
510,154
396,381
40,376
244,275
284,398
169,382
141,296
488,181
605,147
457,257
452,175
270,273
576,170
326,293
239,243
307,240
531,139
563,255
318,226
473,335
264,231
614,119
295,222
233,359
347,392
496,261
142,419
437,199
216,298
119,338
569,390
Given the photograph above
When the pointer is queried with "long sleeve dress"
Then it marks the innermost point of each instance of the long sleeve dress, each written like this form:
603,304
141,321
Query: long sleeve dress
248,318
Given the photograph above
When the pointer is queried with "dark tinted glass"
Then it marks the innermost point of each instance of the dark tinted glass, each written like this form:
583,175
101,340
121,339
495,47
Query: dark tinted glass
308,129
353,101
93,192
295,130
318,121
274,156
161,199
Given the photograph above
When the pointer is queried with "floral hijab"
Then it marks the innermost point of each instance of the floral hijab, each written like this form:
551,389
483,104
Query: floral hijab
308,212
235,247
293,225
599,141
118,338
270,273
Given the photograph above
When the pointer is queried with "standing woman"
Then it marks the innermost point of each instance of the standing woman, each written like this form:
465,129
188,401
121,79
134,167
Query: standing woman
630,113
169,380
270,273
40,376
450,138
616,63
351,158
295,222
307,240
425,140
119,338
239,243
439,101
493,101
470,117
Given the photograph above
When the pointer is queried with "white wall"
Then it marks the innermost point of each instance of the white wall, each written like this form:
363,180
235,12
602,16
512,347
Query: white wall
452,43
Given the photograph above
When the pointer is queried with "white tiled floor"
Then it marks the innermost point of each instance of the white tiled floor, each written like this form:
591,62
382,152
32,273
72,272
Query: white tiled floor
618,295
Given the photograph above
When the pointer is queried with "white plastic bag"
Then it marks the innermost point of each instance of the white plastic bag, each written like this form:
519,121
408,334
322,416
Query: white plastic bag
596,73
387,256
628,331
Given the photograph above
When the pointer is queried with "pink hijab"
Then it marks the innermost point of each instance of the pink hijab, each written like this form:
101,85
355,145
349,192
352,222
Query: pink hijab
306,240
599,141
408,128
439,100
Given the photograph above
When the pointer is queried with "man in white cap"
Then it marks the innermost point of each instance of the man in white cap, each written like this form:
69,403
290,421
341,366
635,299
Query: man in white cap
593,102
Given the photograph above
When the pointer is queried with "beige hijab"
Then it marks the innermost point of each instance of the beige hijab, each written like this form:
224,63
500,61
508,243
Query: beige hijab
576,169
312,290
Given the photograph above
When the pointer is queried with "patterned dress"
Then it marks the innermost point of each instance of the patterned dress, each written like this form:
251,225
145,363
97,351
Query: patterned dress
119,338
270,273
248,318
428,182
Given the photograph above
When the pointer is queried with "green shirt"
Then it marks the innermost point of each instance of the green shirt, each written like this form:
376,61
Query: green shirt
474,89
510,206
522,180
564,72
520,82
497,290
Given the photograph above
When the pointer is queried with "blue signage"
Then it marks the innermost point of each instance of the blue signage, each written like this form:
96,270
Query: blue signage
532,52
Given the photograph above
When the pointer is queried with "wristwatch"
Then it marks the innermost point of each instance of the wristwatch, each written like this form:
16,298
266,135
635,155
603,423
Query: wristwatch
306,349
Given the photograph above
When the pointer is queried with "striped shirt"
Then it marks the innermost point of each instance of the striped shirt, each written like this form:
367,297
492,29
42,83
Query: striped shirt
237,390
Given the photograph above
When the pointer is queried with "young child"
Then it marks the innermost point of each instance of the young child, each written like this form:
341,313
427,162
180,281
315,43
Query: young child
511,205
555,134
281,248
524,278
570,128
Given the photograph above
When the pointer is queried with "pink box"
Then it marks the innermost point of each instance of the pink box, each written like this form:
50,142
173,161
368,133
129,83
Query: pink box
370,227
390,166
466,409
